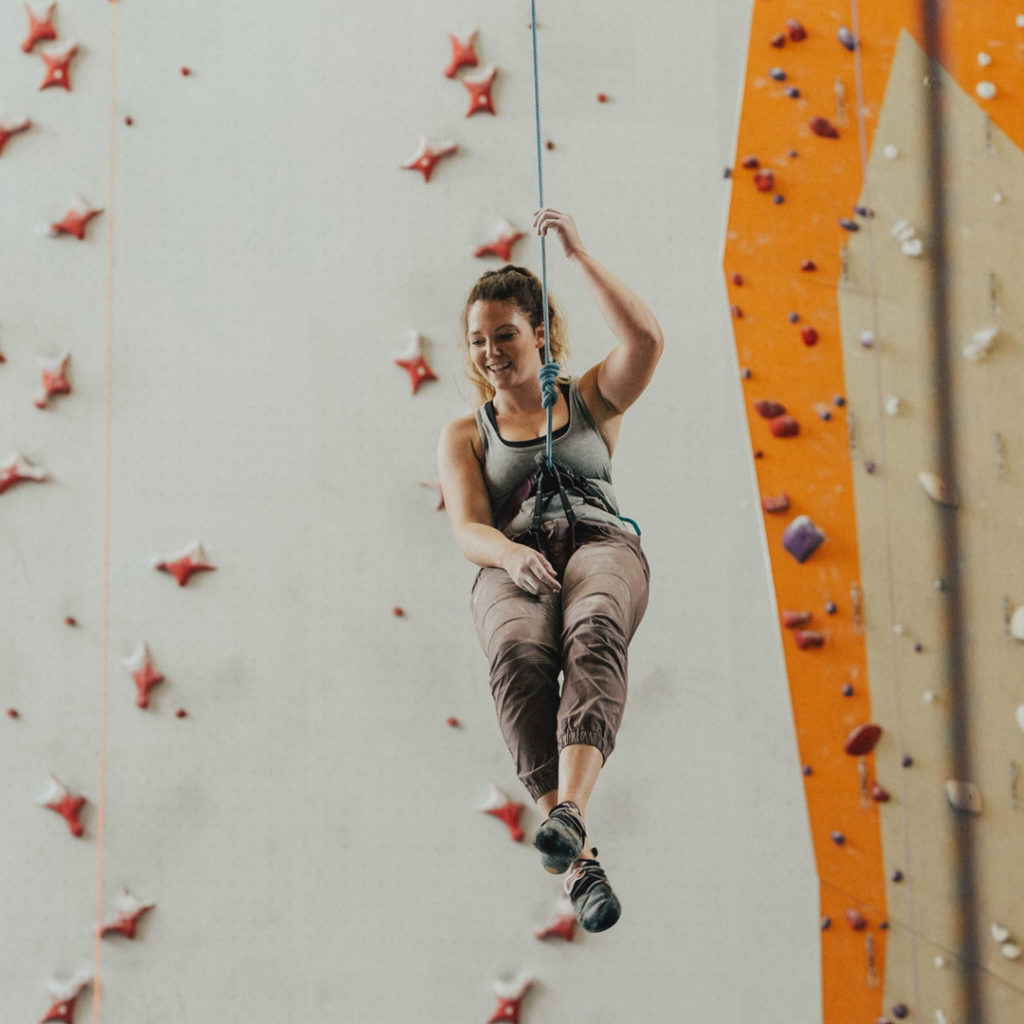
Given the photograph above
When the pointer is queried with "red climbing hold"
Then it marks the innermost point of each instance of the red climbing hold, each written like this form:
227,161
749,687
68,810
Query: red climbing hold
784,426
775,503
64,994
751,163
863,739
426,157
791,620
764,179
602,97
736,279
55,380
796,32
129,910
562,924
809,336
806,265
778,40
510,995
463,53
856,920
824,128
501,807
452,722
140,664
9,128
879,794
58,69
12,713
16,469
64,803
40,27
479,87
186,565
75,220
769,409
806,639
413,363
504,236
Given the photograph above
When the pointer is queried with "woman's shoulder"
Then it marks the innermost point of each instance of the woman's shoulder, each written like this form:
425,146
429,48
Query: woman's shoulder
458,432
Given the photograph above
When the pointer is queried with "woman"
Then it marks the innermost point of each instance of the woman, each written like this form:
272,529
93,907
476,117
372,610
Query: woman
561,589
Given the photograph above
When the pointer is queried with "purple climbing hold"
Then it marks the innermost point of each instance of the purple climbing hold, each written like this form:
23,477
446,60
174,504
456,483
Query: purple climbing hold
778,74
745,373
848,225
846,38
847,690
826,923
778,41
778,199
830,607
864,211
839,401
751,163
824,412
870,466
899,1011
838,838
808,771
792,92
794,318
823,127
802,538
907,761
897,876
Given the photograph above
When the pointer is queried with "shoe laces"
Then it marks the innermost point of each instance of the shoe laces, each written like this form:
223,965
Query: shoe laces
583,876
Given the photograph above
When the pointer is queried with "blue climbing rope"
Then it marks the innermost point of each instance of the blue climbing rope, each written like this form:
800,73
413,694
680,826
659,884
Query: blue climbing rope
549,371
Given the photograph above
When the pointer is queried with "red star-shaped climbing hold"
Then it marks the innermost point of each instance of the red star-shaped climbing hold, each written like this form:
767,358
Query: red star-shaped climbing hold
140,664
501,241
16,469
66,804
75,220
64,994
426,157
55,380
479,86
510,996
58,71
129,910
463,53
9,128
562,924
40,27
186,565
504,809
413,362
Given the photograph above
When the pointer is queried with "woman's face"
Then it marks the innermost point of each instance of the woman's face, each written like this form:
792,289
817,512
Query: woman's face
503,346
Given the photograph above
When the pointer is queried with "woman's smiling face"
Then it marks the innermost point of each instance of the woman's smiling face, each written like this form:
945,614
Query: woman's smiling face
502,344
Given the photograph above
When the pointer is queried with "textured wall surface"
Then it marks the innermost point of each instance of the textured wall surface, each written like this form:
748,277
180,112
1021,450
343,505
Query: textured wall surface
310,833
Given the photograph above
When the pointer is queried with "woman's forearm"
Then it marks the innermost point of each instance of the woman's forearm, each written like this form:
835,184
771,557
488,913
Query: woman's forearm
484,545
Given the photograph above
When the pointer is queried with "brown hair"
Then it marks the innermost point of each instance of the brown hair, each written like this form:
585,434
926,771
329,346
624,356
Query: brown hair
524,290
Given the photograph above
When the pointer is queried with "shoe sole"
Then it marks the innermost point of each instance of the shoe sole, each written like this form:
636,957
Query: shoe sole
557,852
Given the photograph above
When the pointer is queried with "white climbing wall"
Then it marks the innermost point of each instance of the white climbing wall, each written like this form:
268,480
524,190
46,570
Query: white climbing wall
310,830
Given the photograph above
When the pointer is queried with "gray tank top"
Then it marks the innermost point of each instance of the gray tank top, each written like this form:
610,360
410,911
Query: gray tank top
510,465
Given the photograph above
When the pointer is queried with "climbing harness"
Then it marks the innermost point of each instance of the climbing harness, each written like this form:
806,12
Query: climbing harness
552,479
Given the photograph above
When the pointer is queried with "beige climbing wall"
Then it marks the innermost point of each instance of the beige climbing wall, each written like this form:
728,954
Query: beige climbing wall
889,386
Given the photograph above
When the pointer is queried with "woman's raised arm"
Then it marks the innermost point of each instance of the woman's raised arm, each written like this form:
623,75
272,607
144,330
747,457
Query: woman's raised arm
624,373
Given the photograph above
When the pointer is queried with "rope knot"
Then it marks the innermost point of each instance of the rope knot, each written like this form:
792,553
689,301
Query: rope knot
548,374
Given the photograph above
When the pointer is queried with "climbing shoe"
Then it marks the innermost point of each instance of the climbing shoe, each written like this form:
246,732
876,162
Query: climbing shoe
560,839
595,905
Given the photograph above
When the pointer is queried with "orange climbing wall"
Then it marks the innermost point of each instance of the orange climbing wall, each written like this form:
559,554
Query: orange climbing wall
820,180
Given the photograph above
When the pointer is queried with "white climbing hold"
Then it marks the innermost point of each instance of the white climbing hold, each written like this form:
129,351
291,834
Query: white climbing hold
891,152
903,230
899,629
928,696
984,60
893,405
940,1017
940,961
1010,950
999,932
982,343
986,90
936,489
964,796
997,197
867,339
1020,21
913,247
1020,716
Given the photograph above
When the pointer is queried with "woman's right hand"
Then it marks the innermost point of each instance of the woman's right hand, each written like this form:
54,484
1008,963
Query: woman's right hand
531,571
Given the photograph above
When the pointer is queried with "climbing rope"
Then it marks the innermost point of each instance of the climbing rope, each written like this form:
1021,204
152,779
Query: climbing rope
549,371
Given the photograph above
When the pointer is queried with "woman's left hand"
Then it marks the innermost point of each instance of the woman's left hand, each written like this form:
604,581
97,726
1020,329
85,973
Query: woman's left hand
564,227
